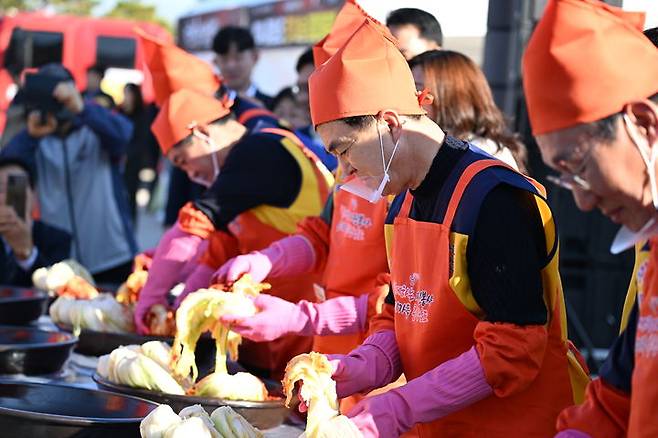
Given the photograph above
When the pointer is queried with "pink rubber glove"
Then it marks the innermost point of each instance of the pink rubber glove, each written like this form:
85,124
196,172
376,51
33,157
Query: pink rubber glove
373,364
572,433
289,256
256,264
448,388
190,266
175,248
199,279
278,317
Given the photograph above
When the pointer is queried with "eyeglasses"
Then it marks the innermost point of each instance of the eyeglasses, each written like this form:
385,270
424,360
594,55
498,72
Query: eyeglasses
573,180
569,182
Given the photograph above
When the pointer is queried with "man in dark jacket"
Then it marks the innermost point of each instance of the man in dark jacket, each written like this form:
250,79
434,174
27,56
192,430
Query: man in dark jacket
75,152
25,244
237,56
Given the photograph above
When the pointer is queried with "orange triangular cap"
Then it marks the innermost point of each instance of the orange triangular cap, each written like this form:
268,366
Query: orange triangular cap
173,69
183,110
366,75
349,18
584,62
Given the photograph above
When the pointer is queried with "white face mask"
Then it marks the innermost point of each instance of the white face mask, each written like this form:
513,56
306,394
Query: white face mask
626,238
213,156
371,188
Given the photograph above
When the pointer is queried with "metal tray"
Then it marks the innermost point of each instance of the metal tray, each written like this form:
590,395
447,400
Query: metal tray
54,411
20,306
30,351
263,415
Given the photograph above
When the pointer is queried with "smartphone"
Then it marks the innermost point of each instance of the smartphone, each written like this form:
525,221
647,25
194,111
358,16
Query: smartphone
17,194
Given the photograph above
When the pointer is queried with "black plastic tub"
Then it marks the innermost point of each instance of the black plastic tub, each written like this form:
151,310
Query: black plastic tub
21,306
54,411
30,351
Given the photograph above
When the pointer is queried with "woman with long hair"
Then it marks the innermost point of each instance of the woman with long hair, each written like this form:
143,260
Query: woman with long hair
143,152
463,104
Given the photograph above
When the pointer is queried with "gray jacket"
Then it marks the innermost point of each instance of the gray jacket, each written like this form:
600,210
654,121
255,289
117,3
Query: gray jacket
80,187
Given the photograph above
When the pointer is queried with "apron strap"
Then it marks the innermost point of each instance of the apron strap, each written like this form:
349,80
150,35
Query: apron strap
291,136
283,133
466,177
540,188
406,205
469,173
254,112
319,167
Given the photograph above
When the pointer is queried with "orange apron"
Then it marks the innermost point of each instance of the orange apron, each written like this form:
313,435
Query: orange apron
356,258
257,229
253,235
433,326
355,264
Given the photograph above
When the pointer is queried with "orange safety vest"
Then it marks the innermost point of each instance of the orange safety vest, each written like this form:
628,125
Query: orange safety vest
257,229
435,320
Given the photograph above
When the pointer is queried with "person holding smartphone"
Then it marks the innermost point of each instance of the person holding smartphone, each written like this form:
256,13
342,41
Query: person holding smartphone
25,244
76,150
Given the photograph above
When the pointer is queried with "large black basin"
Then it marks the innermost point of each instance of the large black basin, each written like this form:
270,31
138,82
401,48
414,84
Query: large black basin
26,350
53,411
21,306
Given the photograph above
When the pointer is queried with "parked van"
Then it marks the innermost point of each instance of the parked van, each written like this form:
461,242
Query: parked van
30,40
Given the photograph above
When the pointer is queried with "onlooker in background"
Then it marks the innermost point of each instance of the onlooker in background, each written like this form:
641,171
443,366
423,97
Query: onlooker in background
416,30
143,151
95,75
75,151
290,110
236,58
286,106
25,244
305,67
463,104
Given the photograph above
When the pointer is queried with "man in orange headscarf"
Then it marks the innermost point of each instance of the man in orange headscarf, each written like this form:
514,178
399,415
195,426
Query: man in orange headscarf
475,316
591,83
349,231
261,184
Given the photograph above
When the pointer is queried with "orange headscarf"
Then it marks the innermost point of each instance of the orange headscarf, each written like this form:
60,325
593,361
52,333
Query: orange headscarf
181,112
173,69
585,61
349,18
366,75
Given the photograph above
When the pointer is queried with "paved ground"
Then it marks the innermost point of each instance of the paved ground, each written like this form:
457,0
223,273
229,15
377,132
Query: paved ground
149,229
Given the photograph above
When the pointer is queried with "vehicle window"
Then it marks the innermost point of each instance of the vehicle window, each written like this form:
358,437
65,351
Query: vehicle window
115,52
28,48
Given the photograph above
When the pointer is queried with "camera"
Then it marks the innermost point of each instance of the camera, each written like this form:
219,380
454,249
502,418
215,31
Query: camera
38,96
